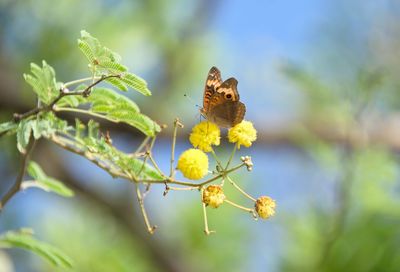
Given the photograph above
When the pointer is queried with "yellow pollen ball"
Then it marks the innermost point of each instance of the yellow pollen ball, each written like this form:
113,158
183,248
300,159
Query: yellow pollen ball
204,135
243,133
193,163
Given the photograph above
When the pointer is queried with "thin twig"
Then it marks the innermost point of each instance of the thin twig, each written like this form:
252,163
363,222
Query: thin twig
142,145
231,157
73,82
240,189
68,145
17,185
239,206
182,188
150,228
63,92
206,229
221,175
146,190
172,169
216,159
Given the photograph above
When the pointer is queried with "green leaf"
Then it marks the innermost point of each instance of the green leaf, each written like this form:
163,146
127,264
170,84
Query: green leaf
43,82
93,129
113,67
47,125
79,128
106,62
99,55
136,83
117,83
23,134
8,127
137,120
86,50
118,108
45,182
106,101
23,239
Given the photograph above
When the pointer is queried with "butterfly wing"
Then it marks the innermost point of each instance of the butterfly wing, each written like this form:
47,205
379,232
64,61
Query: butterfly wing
212,83
227,114
221,103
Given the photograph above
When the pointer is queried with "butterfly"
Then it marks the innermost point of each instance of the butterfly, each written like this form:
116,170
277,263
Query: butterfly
221,103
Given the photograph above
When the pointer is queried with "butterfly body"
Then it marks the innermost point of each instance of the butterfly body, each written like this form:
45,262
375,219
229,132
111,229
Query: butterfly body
221,103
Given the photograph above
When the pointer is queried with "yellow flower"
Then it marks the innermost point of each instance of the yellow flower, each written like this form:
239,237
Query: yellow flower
213,196
265,207
204,135
193,163
243,133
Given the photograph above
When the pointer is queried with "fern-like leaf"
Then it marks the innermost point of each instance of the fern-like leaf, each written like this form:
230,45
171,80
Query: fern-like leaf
43,82
136,83
107,62
117,83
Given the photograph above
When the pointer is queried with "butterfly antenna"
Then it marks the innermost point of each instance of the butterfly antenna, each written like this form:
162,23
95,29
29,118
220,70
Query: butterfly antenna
191,100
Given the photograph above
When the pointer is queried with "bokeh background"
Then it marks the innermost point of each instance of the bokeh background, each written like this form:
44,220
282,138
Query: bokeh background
321,83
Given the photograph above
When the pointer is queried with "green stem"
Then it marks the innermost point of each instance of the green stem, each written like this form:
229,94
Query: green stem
221,175
172,171
216,159
142,145
231,157
73,82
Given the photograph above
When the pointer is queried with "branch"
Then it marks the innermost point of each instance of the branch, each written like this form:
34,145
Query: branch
17,185
63,92
64,143
120,210
114,172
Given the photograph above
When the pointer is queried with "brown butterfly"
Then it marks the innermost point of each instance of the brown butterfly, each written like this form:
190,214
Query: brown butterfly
221,103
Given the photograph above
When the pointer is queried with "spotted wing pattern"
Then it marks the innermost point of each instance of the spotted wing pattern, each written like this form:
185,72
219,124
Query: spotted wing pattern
212,83
221,103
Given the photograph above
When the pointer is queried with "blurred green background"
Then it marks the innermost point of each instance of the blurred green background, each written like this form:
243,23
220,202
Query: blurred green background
321,83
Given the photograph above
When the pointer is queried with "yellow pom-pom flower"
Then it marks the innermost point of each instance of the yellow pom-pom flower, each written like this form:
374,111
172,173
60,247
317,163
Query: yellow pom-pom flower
193,163
204,135
265,207
213,196
243,133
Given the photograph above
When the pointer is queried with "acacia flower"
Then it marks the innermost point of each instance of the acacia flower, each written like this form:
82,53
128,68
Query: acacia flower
204,135
213,196
265,207
193,163
243,133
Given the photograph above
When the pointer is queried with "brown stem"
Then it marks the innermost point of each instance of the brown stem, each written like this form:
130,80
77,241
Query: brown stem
63,92
17,185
